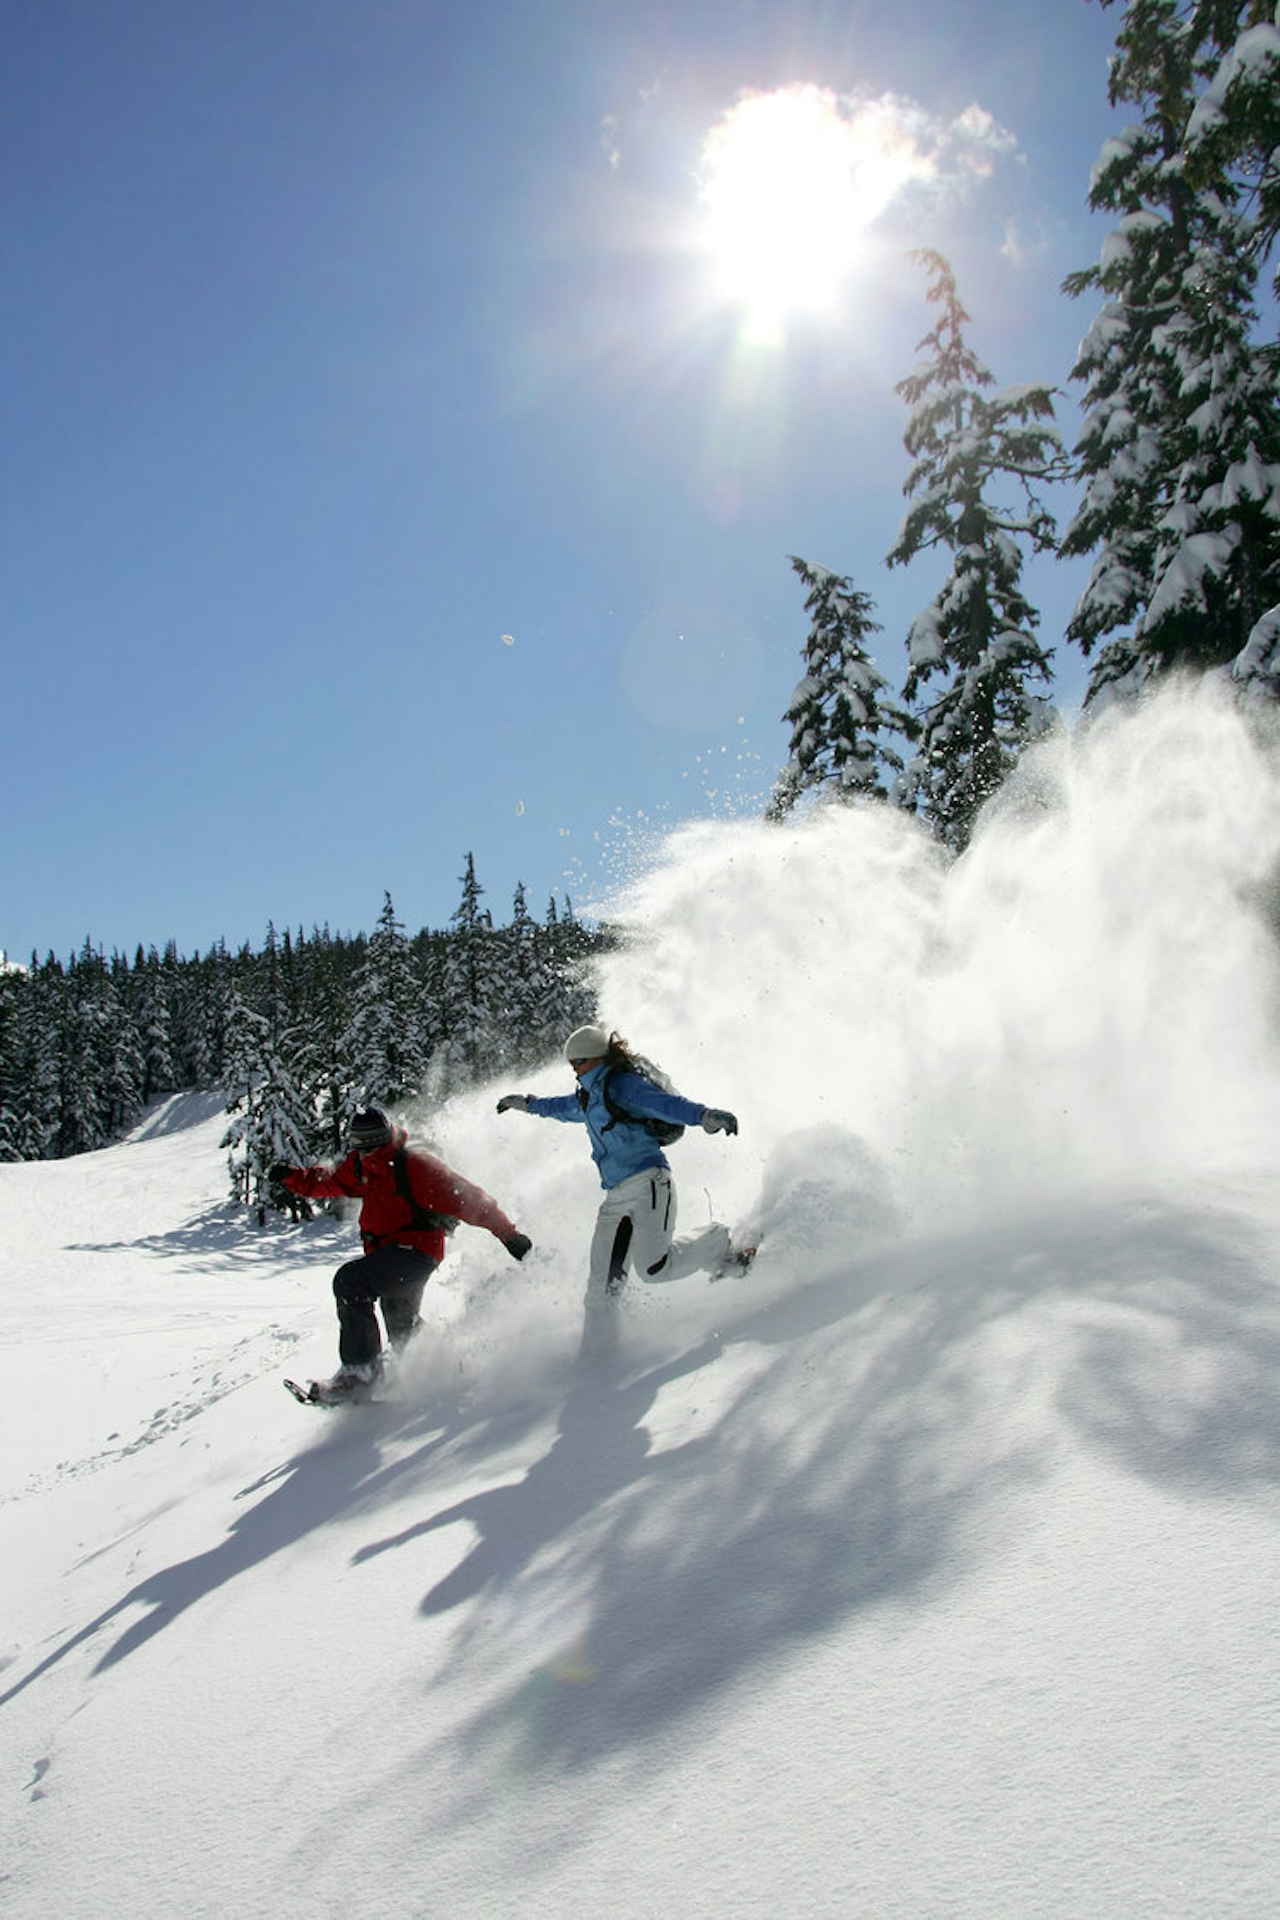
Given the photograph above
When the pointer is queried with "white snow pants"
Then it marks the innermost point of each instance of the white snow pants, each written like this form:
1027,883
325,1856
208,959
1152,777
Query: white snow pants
634,1227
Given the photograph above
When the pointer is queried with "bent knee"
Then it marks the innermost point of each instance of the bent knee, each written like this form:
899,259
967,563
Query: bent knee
349,1278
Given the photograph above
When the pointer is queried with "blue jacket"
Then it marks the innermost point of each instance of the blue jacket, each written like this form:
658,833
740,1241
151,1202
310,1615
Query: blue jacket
619,1147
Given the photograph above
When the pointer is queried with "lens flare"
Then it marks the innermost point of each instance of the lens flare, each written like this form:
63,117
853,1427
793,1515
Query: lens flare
789,181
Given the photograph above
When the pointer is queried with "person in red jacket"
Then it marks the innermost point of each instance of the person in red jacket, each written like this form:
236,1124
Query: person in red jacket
409,1200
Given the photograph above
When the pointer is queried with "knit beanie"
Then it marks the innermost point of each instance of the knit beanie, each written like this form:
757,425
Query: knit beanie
370,1128
586,1043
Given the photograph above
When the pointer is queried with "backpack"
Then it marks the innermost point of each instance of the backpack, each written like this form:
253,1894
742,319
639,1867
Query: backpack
425,1219
665,1132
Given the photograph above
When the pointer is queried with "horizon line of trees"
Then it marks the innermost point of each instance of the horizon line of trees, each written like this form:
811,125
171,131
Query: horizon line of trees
1178,459
296,1035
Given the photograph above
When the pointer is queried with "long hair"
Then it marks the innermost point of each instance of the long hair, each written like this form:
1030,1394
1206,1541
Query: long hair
620,1054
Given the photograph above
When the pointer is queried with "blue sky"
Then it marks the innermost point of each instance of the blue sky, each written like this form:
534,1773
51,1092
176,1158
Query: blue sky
389,472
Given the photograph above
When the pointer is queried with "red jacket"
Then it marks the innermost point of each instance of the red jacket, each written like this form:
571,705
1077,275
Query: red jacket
385,1214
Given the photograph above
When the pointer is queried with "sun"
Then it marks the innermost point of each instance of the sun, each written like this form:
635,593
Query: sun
788,183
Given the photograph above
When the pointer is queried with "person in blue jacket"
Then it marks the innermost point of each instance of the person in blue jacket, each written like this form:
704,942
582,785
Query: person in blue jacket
637,1218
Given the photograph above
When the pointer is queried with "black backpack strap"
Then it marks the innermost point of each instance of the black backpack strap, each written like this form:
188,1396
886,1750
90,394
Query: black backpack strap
425,1219
616,1112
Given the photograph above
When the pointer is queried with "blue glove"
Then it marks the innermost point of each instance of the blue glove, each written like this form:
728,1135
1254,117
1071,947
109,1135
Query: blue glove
716,1120
515,1102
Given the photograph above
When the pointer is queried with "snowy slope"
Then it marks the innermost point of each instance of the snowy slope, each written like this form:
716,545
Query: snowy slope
933,1569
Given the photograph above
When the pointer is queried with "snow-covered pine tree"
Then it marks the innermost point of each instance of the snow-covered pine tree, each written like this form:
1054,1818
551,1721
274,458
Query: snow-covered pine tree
100,1060
570,985
1181,436
471,994
124,1067
324,979
278,1121
45,1012
383,1042
21,1134
1234,132
977,636
248,1044
839,713
522,976
149,989
197,1016
551,1021
1235,124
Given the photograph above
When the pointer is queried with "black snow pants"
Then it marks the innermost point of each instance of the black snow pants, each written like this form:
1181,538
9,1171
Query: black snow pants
390,1277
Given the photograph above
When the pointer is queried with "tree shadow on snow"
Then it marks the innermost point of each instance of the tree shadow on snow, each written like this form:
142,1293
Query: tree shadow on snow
223,1236
1177,1371
343,1473
685,1567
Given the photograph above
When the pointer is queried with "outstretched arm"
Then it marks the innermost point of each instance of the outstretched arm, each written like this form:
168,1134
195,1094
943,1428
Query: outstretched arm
439,1188
647,1102
317,1183
560,1106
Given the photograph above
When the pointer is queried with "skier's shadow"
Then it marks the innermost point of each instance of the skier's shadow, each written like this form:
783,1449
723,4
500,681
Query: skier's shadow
600,1448
319,1483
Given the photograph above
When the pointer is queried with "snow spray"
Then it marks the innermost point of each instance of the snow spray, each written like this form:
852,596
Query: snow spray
1087,995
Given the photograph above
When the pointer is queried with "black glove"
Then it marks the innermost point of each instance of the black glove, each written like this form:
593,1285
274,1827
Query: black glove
716,1120
518,1103
518,1245
278,1174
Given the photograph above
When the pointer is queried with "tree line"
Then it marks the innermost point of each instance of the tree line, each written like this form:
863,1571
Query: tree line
296,1034
1178,469
1178,460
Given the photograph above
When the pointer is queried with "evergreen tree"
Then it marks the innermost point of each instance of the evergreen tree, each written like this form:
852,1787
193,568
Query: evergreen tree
522,977
19,1131
248,1049
278,1122
324,980
978,635
1235,124
101,1065
838,712
150,993
294,1037
1181,436
470,989
1234,131
46,1014
382,1044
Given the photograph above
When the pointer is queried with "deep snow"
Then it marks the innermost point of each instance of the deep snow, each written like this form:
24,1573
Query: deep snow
931,1569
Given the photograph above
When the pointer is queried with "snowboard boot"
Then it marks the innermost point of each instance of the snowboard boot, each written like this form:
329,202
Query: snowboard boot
348,1385
736,1261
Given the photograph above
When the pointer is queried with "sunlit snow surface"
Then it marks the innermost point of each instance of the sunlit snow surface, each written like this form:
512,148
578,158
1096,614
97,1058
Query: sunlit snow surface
932,1569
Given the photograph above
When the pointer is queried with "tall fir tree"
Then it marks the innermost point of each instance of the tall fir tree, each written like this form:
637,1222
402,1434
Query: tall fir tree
523,977
150,987
839,712
248,1049
383,1043
977,637
1234,130
1180,448
470,989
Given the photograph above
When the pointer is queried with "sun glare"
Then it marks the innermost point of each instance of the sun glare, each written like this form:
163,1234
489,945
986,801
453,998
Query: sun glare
788,183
